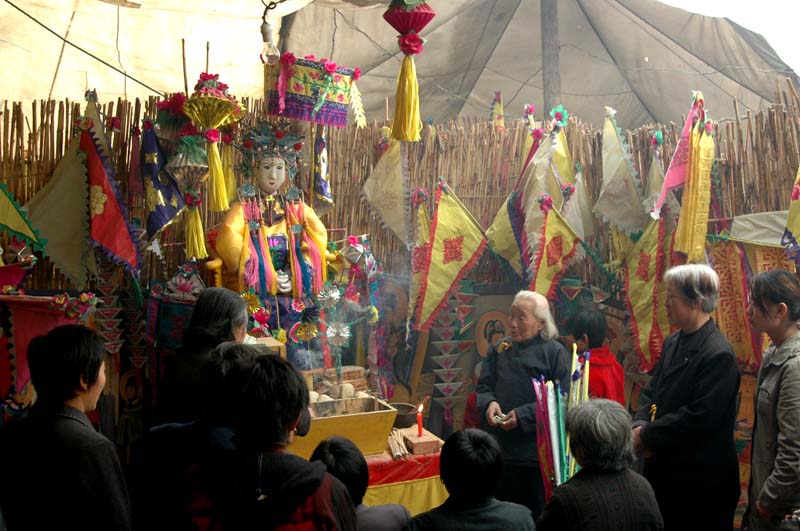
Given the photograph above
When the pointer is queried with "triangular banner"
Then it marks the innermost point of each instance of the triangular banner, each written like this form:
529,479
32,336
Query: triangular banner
555,251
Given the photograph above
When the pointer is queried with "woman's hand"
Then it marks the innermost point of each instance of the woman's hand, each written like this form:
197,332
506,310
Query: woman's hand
492,410
510,423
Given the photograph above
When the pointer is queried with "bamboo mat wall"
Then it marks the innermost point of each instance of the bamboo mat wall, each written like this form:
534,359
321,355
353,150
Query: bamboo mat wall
757,159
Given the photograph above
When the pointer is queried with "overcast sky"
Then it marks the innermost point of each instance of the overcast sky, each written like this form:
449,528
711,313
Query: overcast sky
776,20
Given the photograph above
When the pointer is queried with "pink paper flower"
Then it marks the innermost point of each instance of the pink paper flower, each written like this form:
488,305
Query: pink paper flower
261,317
356,74
537,134
709,126
329,67
410,44
288,59
310,57
530,109
212,135
796,192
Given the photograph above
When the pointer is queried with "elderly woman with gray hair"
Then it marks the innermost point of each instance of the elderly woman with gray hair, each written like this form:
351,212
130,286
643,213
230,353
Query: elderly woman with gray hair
506,398
685,422
605,494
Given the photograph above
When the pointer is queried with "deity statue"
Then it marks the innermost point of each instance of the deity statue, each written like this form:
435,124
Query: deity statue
269,242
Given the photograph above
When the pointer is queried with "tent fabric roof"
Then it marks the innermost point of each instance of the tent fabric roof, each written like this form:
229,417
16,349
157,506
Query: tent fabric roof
639,56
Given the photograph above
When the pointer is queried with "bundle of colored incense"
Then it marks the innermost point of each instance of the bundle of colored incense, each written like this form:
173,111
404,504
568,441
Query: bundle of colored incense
543,438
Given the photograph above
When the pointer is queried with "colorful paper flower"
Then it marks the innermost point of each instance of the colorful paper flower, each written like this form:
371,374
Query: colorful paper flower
709,127
288,59
545,202
338,334
356,74
279,335
261,316
329,296
537,133
559,115
567,190
410,43
310,57
329,67
297,305
373,315
657,139
253,304
796,192
212,135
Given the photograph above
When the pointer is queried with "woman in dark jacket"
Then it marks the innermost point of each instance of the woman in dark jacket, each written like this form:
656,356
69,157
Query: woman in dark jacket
219,315
684,425
604,494
507,400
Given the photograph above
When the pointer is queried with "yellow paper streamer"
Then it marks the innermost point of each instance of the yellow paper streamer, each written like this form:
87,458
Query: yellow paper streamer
407,124
228,157
195,239
690,236
217,192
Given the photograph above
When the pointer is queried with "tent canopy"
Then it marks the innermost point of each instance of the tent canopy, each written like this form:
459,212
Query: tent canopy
639,56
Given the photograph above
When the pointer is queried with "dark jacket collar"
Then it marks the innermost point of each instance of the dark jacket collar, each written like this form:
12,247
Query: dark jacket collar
690,344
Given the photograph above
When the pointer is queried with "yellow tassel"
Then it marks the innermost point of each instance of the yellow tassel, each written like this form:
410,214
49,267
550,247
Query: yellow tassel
217,193
407,123
227,169
195,239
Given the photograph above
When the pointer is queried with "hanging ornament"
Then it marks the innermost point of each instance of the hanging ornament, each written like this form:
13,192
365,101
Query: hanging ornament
408,17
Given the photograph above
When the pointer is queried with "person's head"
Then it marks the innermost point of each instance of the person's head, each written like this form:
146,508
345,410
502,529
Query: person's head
67,366
587,329
219,315
692,293
218,394
270,173
774,304
600,434
470,465
346,463
530,317
268,396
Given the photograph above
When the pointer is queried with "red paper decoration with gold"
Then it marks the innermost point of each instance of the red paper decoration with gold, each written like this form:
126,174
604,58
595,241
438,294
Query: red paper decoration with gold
408,17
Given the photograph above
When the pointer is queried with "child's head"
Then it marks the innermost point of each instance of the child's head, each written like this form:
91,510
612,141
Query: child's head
587,329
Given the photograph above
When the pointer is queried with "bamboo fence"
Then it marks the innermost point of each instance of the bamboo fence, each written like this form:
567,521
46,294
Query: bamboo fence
757,159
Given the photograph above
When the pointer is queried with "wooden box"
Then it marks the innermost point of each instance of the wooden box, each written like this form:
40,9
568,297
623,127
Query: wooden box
365,421
427,444
272,344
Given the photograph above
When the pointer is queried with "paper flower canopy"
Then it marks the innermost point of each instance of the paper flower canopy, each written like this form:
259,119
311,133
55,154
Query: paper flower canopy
312,90
211,107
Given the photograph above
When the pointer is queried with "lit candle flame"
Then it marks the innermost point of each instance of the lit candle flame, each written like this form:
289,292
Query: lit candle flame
419,409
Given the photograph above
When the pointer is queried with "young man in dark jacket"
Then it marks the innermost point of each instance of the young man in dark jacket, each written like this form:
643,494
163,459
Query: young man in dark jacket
59,473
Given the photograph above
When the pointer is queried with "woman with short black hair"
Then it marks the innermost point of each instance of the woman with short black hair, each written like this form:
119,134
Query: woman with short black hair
219,315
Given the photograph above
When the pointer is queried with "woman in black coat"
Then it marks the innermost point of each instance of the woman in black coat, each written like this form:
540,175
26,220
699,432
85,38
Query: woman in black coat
685,422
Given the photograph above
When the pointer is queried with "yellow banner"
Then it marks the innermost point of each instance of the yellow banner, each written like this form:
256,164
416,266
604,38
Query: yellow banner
645,292
555,250
690,236
502,241
731,312
457,242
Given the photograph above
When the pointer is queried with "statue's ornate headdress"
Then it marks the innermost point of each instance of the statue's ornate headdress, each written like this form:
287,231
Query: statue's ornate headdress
270,140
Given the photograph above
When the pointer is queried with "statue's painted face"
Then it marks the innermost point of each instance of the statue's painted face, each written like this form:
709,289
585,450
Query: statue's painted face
270,174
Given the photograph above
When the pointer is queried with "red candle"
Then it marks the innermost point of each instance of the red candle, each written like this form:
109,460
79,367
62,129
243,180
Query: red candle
419,421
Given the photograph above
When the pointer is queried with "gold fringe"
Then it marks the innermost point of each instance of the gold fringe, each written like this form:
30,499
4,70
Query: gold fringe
217,192
195,238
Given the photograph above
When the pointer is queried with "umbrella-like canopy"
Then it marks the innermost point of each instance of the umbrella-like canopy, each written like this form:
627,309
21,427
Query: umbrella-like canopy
641,57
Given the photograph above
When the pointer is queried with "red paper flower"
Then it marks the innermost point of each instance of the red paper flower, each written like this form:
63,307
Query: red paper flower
310,57
356,74
205,76
173,105
410,44
188,129
298,146
212,135
261,317
537,133
288,59
222,86
796,192
709,126
329,67
227,138
147,125
248,144
192,199
530,109
279,134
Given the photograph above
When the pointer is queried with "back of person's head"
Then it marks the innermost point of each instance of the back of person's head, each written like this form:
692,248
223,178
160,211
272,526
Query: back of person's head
592,324
217,315
470,465
776,287
267,397
600,434
218,395
346,463
61,360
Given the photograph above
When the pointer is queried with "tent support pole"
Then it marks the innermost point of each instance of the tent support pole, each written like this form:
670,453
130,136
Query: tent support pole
551,72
